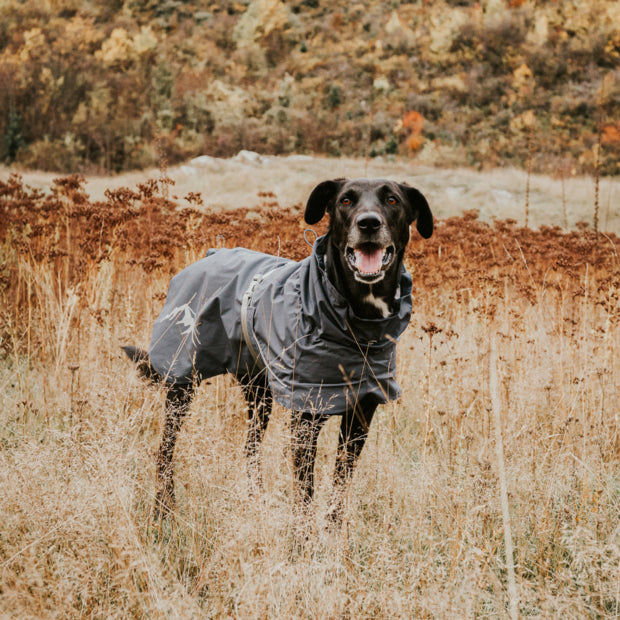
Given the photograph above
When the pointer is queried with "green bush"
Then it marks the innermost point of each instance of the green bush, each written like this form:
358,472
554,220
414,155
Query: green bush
13,139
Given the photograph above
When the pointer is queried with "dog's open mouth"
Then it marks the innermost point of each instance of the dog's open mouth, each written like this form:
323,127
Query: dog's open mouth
369,260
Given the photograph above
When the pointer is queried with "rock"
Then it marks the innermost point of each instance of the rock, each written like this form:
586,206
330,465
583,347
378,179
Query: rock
204,160
381,84
249,157
207,163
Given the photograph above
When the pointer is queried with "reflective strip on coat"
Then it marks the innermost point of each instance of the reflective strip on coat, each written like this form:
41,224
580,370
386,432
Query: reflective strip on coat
317,353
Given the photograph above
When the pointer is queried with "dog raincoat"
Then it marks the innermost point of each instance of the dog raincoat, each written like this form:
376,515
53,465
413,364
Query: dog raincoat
244,312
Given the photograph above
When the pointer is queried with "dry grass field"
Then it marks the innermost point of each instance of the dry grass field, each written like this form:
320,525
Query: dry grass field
507,435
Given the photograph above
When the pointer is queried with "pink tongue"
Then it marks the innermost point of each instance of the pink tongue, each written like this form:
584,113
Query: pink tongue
369,261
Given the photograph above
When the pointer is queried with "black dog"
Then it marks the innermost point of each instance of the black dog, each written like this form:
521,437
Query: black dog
318,336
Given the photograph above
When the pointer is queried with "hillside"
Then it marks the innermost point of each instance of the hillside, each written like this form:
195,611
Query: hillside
110,86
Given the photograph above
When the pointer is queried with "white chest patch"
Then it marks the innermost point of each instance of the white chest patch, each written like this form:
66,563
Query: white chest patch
378,303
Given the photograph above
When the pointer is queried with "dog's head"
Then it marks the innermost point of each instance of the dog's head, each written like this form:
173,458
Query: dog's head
370,222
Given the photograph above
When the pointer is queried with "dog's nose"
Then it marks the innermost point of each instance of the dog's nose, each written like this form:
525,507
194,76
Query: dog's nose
368,222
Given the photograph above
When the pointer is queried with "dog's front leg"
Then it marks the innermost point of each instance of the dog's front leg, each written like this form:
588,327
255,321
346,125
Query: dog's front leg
260,400
305,428
178,399
353,433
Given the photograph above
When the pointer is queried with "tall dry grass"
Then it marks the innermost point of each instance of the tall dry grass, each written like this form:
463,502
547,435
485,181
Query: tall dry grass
424,533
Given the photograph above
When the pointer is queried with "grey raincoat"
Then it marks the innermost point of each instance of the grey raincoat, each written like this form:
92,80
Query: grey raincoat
244,312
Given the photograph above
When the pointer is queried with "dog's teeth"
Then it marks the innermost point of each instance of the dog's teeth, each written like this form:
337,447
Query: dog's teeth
387,256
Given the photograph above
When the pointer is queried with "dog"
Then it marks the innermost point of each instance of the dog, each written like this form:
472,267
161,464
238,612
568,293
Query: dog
317,336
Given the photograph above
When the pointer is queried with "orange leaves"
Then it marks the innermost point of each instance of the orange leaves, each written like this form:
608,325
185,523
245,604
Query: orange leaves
611,134
414,143
414,122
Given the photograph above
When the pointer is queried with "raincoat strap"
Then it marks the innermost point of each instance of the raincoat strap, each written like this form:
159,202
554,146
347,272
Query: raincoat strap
245,304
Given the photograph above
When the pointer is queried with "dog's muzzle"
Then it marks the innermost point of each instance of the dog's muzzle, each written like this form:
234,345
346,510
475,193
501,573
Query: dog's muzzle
369,261
369,252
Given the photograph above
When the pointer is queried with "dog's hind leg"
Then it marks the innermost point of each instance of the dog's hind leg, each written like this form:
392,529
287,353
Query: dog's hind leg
178,399
353,433
259,398
305,428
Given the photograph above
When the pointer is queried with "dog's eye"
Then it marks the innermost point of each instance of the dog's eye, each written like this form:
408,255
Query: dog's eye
392,200
346,202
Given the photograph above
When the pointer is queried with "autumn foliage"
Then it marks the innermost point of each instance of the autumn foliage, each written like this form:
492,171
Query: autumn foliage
106,87
414,122
611,134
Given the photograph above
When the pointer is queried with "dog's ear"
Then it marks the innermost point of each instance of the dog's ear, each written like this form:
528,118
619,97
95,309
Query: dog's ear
322,199
418,209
